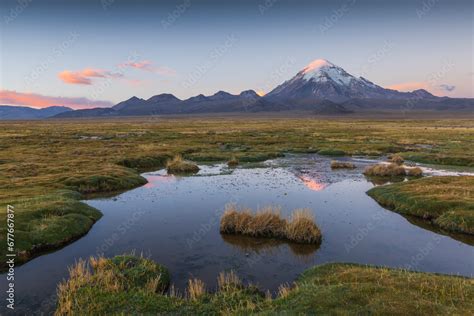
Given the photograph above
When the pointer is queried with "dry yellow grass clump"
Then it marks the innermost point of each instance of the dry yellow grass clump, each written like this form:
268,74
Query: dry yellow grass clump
179,165
342,165
414,172
196,289
385,170
268,222
397,159
302,229
233,162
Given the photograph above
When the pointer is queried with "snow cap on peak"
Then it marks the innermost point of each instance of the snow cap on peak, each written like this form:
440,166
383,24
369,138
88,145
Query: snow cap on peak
317,64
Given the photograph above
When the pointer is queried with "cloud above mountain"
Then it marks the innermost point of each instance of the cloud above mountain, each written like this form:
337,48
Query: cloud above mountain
447,87
85,76
147,65
9,97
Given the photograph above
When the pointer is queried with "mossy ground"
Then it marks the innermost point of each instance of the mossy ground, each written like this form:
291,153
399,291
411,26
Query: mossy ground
38,159
448,202
126,285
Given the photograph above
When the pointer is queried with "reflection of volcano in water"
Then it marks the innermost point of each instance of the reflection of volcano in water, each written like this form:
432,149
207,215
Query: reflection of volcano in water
312,183
154,180
260,245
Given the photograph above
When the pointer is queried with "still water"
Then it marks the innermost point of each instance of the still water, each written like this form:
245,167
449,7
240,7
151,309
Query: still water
175,221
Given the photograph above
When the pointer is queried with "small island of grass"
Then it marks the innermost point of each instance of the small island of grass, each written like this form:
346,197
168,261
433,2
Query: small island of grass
268,223
335,164
178,165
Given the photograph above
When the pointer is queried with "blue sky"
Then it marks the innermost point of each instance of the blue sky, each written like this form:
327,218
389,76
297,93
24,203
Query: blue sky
108,51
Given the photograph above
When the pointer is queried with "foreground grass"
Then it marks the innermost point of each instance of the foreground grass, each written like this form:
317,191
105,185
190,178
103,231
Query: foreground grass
40,159
448,202
268,223
127,284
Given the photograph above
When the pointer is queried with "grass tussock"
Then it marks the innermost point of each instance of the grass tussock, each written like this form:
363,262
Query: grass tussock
397,159
385,170
233,162
101,290
179,165
119,274
414,172
227,281
269,223
342,165
196,289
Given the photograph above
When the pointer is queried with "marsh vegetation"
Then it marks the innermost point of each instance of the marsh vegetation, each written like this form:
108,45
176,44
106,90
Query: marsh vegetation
127,284
178,165
267,222
86,157
335,164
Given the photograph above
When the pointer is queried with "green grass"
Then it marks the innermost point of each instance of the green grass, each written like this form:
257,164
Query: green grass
49,221
448,202
124,285
40,158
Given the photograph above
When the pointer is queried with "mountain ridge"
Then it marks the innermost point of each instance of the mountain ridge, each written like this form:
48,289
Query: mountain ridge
321,87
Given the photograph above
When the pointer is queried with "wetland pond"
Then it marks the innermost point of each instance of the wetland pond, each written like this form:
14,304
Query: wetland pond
175,221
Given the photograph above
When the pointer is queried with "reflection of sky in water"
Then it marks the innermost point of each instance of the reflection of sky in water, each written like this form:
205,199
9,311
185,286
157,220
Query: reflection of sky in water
156,180
175,221
312,184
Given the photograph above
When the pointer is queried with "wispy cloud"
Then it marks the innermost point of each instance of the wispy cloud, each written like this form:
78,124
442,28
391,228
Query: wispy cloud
85,76
9,97
447,87
147,65
434,89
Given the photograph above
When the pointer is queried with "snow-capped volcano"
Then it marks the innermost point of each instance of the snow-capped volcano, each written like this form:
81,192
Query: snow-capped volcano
322,70
322,79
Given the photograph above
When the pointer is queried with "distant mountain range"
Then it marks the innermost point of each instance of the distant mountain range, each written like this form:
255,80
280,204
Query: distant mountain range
321,88
8,112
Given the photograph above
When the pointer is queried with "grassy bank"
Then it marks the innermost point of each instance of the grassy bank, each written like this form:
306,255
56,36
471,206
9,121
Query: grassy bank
448,202
127,284
38,159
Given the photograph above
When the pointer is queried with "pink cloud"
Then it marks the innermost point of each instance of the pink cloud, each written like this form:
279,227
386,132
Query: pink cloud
438,90
409,86
84,76
147,65
8,97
